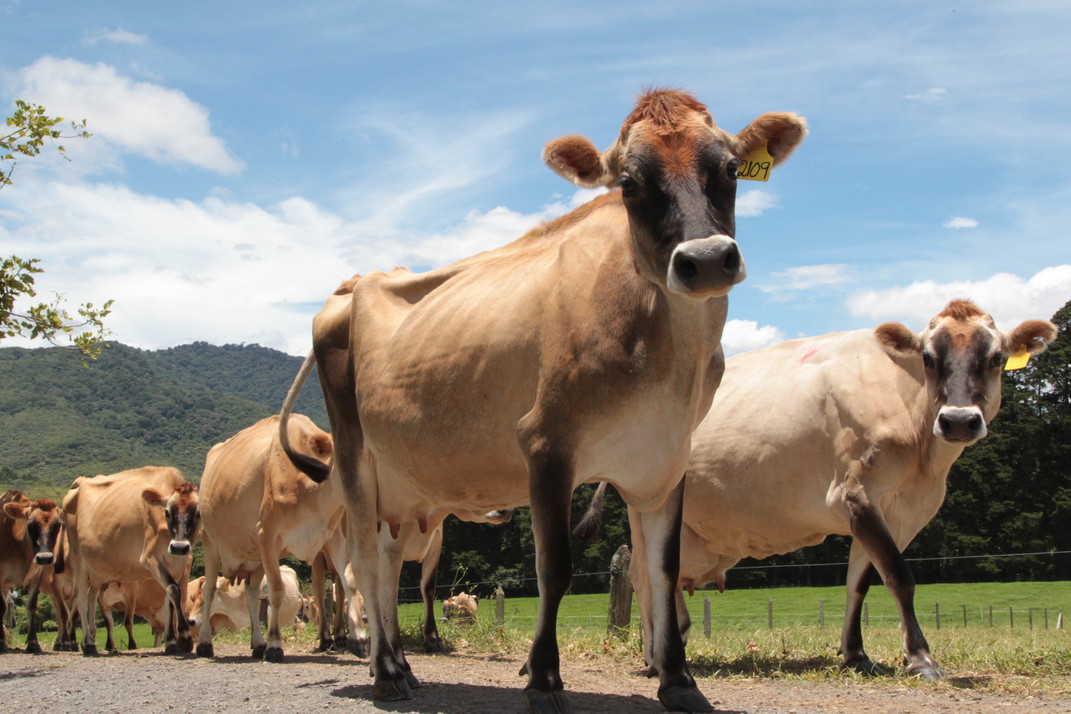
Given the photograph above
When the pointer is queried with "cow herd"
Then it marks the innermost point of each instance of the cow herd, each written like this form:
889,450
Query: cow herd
588,350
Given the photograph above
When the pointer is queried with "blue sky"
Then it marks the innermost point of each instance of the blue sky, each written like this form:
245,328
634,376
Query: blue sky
248,156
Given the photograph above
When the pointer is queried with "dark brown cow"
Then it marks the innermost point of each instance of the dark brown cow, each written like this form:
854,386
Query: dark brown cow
587,349
29,534
130,526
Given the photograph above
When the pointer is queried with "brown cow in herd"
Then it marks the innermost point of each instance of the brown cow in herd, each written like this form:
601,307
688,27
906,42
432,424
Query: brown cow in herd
852,434
129,526
586,350
31,547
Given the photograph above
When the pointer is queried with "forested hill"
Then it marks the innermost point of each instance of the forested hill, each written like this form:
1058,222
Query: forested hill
133,407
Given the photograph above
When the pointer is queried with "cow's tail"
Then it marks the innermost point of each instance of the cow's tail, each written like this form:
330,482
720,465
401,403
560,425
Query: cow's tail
588,527
310,466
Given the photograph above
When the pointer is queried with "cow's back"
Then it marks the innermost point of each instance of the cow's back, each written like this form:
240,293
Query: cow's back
785,426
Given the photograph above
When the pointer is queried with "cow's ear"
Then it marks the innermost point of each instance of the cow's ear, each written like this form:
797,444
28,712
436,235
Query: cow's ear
153,497
15,510
1033,335
897,338
781,132
576,159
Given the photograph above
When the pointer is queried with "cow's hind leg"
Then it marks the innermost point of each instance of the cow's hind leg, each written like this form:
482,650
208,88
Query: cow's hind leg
273,652
869,527
661,532
851,639
208,592
428,570
109,626
319,575
257,643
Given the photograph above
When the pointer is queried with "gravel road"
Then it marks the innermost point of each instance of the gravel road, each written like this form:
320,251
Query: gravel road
148,681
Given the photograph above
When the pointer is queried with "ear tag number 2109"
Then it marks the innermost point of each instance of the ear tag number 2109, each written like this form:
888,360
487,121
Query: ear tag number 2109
756,166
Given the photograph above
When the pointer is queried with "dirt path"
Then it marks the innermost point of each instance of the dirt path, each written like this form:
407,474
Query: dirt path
152,682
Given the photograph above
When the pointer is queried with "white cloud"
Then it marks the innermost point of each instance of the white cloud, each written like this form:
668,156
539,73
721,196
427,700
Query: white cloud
1010,299
932,94
961,222
754,202
806,277
746,335
218,270
117,36
154,121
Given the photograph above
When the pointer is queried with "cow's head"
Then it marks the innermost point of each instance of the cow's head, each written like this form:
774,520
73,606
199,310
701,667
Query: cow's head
182,513
963,354
677,174
43,528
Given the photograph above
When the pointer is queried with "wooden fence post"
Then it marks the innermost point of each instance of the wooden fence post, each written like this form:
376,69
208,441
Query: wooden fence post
500,605
620,594
1060,619
706,616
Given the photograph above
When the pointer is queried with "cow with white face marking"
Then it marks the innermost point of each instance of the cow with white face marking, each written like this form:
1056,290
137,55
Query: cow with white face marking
31,537
850,434
587,349
129,526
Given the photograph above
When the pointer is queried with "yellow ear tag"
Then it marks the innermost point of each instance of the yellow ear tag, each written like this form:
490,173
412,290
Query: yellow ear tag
756,166
1017,360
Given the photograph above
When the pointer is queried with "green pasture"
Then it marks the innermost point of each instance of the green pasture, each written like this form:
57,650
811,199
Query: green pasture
1020,652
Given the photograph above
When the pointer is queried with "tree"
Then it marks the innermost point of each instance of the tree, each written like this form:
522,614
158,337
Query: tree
27,131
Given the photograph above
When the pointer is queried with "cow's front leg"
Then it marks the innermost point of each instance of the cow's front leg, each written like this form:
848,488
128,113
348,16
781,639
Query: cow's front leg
551,490
869,528
208,594
32,646
851,638
661,530
276,590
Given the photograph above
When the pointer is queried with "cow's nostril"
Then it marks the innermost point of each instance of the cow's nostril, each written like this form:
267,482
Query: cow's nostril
685,267
732,261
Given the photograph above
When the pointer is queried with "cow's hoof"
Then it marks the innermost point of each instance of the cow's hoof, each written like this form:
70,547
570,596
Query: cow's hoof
324,646
684,699
185,644
411,680
90,651
273,655
172,649
926,670
205,649
131,645
391,690
358,648
434,646
33,648
258,651
865,665
540,702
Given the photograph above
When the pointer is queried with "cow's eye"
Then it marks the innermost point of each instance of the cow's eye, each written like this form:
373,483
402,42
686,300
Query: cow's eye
996,360
927,360
628,185
732,168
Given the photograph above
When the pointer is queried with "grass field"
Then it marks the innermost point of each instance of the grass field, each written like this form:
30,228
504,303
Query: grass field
1017,653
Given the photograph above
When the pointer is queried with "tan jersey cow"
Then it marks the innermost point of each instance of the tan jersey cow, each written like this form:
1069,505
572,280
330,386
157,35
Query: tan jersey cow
850,434
130,526
230,609
140,598
587,349
30,548
462,607
256,509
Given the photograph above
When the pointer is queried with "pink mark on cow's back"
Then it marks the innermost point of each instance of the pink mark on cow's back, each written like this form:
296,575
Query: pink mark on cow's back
811,352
